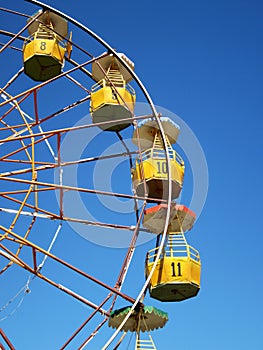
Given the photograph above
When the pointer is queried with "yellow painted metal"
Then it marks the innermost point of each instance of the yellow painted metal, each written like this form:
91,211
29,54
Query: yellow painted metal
44,47
34,174
154,169
190,271
110,103
43,57
144,344
107,95
157,169
178,271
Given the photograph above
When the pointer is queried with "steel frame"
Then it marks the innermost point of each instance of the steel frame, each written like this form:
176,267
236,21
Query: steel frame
37,187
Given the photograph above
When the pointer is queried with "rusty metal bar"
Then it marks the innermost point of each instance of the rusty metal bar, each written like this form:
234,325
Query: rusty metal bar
131,249
14,126
85,322
34,259
50,80
48,165
12,47
62,262
35,105
120,278
25,191
2,333
78,84
87,126
22,161
14,12
5,32
26,146
60,287
31,206
13,106
92,335
80,189
21,245
65,109
13,78
53,216
61,192
20,32
22,264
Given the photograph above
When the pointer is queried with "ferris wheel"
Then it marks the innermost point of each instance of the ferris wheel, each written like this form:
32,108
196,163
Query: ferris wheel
69,126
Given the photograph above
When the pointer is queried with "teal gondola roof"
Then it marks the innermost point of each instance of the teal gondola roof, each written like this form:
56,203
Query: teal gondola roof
148,318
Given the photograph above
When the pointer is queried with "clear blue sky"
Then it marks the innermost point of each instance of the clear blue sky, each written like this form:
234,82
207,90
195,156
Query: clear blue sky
203,61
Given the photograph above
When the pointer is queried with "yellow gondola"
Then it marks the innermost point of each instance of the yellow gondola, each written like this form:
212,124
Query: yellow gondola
112,98
152,167
45,49
177,274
